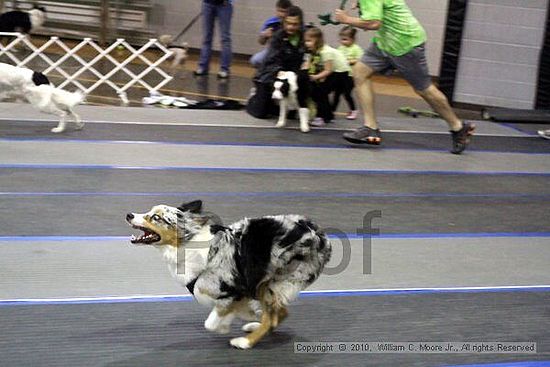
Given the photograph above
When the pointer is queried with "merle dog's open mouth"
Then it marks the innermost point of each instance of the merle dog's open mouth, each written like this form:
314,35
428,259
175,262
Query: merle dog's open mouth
147,237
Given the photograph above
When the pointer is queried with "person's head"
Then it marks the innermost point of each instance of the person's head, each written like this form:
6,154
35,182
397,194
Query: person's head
314,39
294,20
347,35
281,8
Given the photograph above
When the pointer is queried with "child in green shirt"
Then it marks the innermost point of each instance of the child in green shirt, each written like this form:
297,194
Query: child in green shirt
353,53
327,68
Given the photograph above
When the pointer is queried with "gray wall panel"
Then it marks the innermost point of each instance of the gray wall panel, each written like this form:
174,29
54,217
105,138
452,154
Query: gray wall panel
500,52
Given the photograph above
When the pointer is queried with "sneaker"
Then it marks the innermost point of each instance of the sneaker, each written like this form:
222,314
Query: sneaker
200,72
352,115
364,135
545,134
222,74
318,122
461,138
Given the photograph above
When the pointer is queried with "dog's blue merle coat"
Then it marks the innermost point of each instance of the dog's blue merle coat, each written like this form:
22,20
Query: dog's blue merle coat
284,253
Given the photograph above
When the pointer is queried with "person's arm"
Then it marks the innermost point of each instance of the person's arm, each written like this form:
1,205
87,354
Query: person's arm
265,35
327,70
366,25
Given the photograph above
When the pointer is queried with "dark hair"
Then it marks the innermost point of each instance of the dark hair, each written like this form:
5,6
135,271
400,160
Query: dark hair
348,31
316,33
296,11
283,4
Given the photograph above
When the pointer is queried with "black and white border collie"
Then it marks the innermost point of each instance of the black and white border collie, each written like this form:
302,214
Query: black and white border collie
285,90
34,87
251,269
22,21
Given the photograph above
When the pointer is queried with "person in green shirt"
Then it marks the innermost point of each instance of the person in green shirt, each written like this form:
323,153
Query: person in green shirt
399,43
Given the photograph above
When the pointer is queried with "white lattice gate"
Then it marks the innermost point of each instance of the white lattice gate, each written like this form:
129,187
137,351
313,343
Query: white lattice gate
100,55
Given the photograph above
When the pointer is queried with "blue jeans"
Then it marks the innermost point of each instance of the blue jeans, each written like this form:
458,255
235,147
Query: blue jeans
258,58
209,14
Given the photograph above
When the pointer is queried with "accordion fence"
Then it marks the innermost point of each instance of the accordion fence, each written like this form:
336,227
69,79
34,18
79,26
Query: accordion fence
152,77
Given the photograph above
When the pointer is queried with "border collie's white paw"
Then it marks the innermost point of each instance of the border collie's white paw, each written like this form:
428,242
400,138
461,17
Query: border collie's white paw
250,327
240,343
281,124
58,130
79,125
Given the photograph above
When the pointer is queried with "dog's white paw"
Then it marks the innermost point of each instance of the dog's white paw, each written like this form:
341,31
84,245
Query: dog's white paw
79,125
241,343
281,123
213,325
250,327
304,127
58,130
223,329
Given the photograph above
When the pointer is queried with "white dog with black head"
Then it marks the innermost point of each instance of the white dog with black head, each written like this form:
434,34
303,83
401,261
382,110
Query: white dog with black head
22,21
35,87
286,92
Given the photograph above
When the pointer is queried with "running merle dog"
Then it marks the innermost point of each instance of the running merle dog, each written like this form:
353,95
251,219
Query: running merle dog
253,269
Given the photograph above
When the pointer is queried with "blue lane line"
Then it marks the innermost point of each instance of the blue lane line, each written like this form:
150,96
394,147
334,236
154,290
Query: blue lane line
351,236
264,170
307,294
506,364
279,194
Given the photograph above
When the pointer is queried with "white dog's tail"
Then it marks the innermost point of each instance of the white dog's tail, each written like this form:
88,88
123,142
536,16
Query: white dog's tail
69,99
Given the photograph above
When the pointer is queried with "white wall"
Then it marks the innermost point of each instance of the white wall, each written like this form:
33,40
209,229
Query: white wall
171,16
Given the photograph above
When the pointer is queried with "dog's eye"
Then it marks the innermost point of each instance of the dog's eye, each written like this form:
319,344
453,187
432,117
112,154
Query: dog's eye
156,217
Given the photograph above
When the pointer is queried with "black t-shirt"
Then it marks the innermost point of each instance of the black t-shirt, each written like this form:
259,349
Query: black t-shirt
282,55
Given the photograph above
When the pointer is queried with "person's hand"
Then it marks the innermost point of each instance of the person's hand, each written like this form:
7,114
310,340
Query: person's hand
341,16
268,32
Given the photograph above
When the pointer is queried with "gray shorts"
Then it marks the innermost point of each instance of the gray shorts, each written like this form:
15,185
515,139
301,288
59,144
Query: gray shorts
412,66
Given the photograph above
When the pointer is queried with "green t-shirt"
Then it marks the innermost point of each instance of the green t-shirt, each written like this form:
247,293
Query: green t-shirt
353,52
339,62
400,31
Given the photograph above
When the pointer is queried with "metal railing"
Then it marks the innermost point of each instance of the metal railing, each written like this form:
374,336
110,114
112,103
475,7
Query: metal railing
71,55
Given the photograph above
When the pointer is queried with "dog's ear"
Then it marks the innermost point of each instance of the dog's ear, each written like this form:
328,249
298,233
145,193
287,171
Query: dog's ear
192,207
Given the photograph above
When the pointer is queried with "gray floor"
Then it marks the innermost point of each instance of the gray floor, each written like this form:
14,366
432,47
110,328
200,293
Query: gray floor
460,228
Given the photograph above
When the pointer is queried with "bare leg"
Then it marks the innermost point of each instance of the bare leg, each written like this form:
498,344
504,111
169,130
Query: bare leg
439,102
362,75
